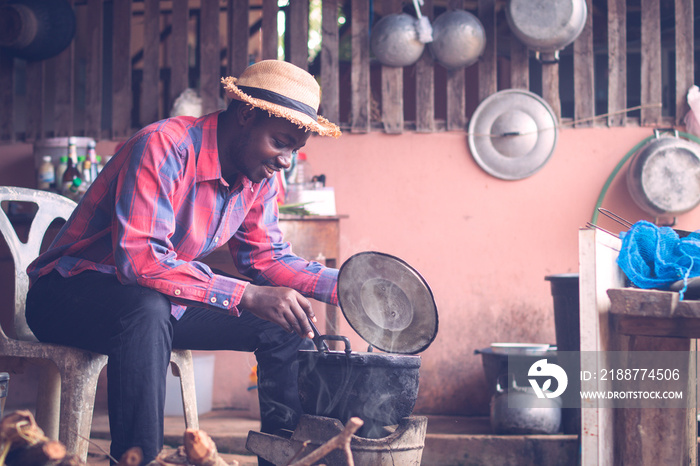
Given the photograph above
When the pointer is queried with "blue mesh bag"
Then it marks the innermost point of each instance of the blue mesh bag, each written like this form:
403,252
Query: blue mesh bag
656,257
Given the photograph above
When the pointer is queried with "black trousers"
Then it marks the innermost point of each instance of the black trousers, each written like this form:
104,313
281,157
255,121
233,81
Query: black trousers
133,326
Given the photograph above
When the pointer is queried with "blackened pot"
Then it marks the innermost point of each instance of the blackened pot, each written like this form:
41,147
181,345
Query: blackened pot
378,388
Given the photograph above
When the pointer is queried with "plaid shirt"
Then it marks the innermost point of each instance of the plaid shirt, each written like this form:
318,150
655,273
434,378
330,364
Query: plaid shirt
160,205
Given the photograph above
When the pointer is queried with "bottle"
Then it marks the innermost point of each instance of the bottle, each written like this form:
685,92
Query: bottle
303,172
74,191
92,158
71,172
60,169
87,173
46,176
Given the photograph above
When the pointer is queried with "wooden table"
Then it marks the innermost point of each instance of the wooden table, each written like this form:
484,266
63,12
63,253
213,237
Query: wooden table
312,237
617,318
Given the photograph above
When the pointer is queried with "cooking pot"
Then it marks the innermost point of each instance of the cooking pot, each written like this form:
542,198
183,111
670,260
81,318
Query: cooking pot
663,177
36,29
380,389
392,308
459,39
394,40
530,416
546,26
494,361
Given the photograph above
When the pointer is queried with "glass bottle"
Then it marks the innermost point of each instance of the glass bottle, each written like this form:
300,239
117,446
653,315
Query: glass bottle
60,170
92,158
71,172
46,175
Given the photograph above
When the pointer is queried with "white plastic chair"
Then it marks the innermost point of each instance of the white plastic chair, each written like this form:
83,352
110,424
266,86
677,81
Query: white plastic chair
68,380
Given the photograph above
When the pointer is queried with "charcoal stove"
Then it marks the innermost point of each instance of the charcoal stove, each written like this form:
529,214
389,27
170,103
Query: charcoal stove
402,446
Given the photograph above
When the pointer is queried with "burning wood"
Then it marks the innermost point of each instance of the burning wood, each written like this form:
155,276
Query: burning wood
201,449
340,442
198,450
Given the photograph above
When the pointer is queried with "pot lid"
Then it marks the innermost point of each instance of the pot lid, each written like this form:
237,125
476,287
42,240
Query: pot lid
512,134
387,303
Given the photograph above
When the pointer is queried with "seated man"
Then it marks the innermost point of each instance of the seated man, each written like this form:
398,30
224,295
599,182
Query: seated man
123,276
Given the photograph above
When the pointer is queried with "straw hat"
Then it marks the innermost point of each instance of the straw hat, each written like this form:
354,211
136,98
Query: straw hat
283,90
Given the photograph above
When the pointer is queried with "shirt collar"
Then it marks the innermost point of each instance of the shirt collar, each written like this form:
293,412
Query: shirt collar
208,166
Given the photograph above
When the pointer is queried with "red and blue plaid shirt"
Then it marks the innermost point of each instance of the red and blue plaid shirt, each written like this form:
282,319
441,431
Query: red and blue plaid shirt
160,205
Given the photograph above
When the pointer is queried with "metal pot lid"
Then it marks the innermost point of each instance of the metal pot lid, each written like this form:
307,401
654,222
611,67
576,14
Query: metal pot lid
512,134
387,303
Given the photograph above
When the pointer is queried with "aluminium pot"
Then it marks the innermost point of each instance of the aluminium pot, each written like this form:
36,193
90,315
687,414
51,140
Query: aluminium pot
663,177
379,388
459,39
518,411
546,26
394,40
389,305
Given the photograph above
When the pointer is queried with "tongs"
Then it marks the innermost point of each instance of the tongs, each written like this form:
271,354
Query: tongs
617,218
625,223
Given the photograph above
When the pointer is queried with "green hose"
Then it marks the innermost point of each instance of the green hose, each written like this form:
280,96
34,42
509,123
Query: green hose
619,166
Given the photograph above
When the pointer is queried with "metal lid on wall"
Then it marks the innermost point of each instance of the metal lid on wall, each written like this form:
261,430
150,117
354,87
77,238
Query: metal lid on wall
387,303
512,134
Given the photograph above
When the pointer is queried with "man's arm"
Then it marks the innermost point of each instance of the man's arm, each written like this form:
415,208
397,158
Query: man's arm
260,253
149,183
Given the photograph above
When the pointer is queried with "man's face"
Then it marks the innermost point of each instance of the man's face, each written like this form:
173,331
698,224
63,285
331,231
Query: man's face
264,147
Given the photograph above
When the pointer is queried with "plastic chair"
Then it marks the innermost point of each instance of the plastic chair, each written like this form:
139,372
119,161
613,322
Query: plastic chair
68,376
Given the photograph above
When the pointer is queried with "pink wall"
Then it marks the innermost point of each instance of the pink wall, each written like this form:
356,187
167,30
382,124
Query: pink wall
484,245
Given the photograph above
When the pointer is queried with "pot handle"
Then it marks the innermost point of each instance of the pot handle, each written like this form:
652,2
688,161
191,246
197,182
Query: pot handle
548,58
348,349
504,382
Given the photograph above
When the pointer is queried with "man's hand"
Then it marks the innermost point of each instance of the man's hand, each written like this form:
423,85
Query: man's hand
282,306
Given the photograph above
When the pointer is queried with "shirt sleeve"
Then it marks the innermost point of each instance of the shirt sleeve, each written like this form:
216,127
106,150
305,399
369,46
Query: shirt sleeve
260,253
148,184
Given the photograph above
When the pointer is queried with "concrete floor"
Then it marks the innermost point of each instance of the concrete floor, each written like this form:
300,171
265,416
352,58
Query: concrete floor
450,441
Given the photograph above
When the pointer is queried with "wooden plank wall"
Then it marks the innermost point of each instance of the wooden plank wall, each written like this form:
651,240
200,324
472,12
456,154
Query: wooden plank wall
130,60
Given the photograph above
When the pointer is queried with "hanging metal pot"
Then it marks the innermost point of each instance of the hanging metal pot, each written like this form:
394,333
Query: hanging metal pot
663,177
394,40
36,29
546,26
458,39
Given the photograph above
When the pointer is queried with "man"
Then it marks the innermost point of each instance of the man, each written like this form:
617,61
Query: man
123,276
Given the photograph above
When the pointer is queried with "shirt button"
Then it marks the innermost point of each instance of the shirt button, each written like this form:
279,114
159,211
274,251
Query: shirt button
216,240
225,303
177,292
213,299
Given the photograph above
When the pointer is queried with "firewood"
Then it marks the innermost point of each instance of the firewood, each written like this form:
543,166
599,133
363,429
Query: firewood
50,452
131,457
340,442
20,429
170,458
201,449
71,460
